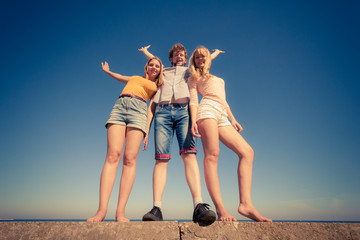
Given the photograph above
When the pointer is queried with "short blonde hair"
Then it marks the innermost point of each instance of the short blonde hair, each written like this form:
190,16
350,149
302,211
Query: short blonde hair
159,78
196,72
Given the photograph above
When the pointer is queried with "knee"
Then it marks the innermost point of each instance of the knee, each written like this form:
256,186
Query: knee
188,157
212,156
249,154
190,162
129,159
113,156
161,164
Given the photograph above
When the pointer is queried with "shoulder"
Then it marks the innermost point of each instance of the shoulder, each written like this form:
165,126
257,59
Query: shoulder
215,78
138,78
191,81
167,69
184,69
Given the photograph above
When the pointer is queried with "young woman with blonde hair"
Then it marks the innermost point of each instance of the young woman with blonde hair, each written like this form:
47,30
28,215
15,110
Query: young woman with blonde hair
210,122
127,124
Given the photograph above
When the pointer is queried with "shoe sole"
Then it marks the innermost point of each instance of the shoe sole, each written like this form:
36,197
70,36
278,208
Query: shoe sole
151,218
205,219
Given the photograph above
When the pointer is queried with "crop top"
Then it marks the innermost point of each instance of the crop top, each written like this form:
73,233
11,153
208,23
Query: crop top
212,88
140,87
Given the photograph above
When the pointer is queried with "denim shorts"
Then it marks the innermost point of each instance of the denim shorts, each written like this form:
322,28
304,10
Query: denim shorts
170,118
212,109
130,112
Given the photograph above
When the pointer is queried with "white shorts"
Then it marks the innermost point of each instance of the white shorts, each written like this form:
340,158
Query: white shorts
212,109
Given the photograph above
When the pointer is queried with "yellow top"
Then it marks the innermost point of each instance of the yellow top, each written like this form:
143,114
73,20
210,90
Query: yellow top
140,87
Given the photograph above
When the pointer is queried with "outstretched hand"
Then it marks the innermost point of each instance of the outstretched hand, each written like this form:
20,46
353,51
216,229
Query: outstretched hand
218,51
105,66
144,48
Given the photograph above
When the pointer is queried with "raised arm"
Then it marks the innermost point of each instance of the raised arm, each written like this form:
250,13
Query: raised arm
145,51
150,116
215,53
119,77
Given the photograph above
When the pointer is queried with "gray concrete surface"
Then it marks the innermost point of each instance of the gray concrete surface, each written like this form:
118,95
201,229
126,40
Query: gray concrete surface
84,230
175,230
277,230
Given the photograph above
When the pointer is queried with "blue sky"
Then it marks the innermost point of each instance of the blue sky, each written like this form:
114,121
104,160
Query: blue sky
292,78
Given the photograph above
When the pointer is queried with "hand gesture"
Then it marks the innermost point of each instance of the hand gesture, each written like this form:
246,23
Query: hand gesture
195,130
143,49
237,126
105,67
218,51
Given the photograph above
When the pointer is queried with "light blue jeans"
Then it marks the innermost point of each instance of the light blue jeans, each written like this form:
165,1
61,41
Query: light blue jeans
170,119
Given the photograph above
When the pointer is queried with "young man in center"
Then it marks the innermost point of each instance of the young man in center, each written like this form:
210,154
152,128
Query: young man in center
170,110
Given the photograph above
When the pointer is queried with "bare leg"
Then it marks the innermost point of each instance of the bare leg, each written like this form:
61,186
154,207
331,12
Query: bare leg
132,146
233,140
210,140
159,179
115,139
192,174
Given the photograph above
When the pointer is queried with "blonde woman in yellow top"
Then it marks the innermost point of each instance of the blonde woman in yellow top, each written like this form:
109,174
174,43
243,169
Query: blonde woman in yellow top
210,122
127,124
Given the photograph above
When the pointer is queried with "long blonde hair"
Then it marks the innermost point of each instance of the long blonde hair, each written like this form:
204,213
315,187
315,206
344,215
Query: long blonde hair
197,73
159,79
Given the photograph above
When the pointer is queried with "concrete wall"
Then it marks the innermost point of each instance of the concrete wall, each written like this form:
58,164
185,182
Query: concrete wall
175,230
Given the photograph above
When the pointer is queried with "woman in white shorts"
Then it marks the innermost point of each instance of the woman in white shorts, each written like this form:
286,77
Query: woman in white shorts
210,122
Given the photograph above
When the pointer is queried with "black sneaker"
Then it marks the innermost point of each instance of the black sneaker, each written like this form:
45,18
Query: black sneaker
154,215
202,214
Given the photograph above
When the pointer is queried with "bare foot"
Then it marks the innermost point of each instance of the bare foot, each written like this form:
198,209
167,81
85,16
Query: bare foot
120,217
249,211
98,217
225,217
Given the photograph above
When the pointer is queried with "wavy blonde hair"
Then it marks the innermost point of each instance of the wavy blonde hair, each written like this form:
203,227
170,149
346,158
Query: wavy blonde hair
159,79
197,73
